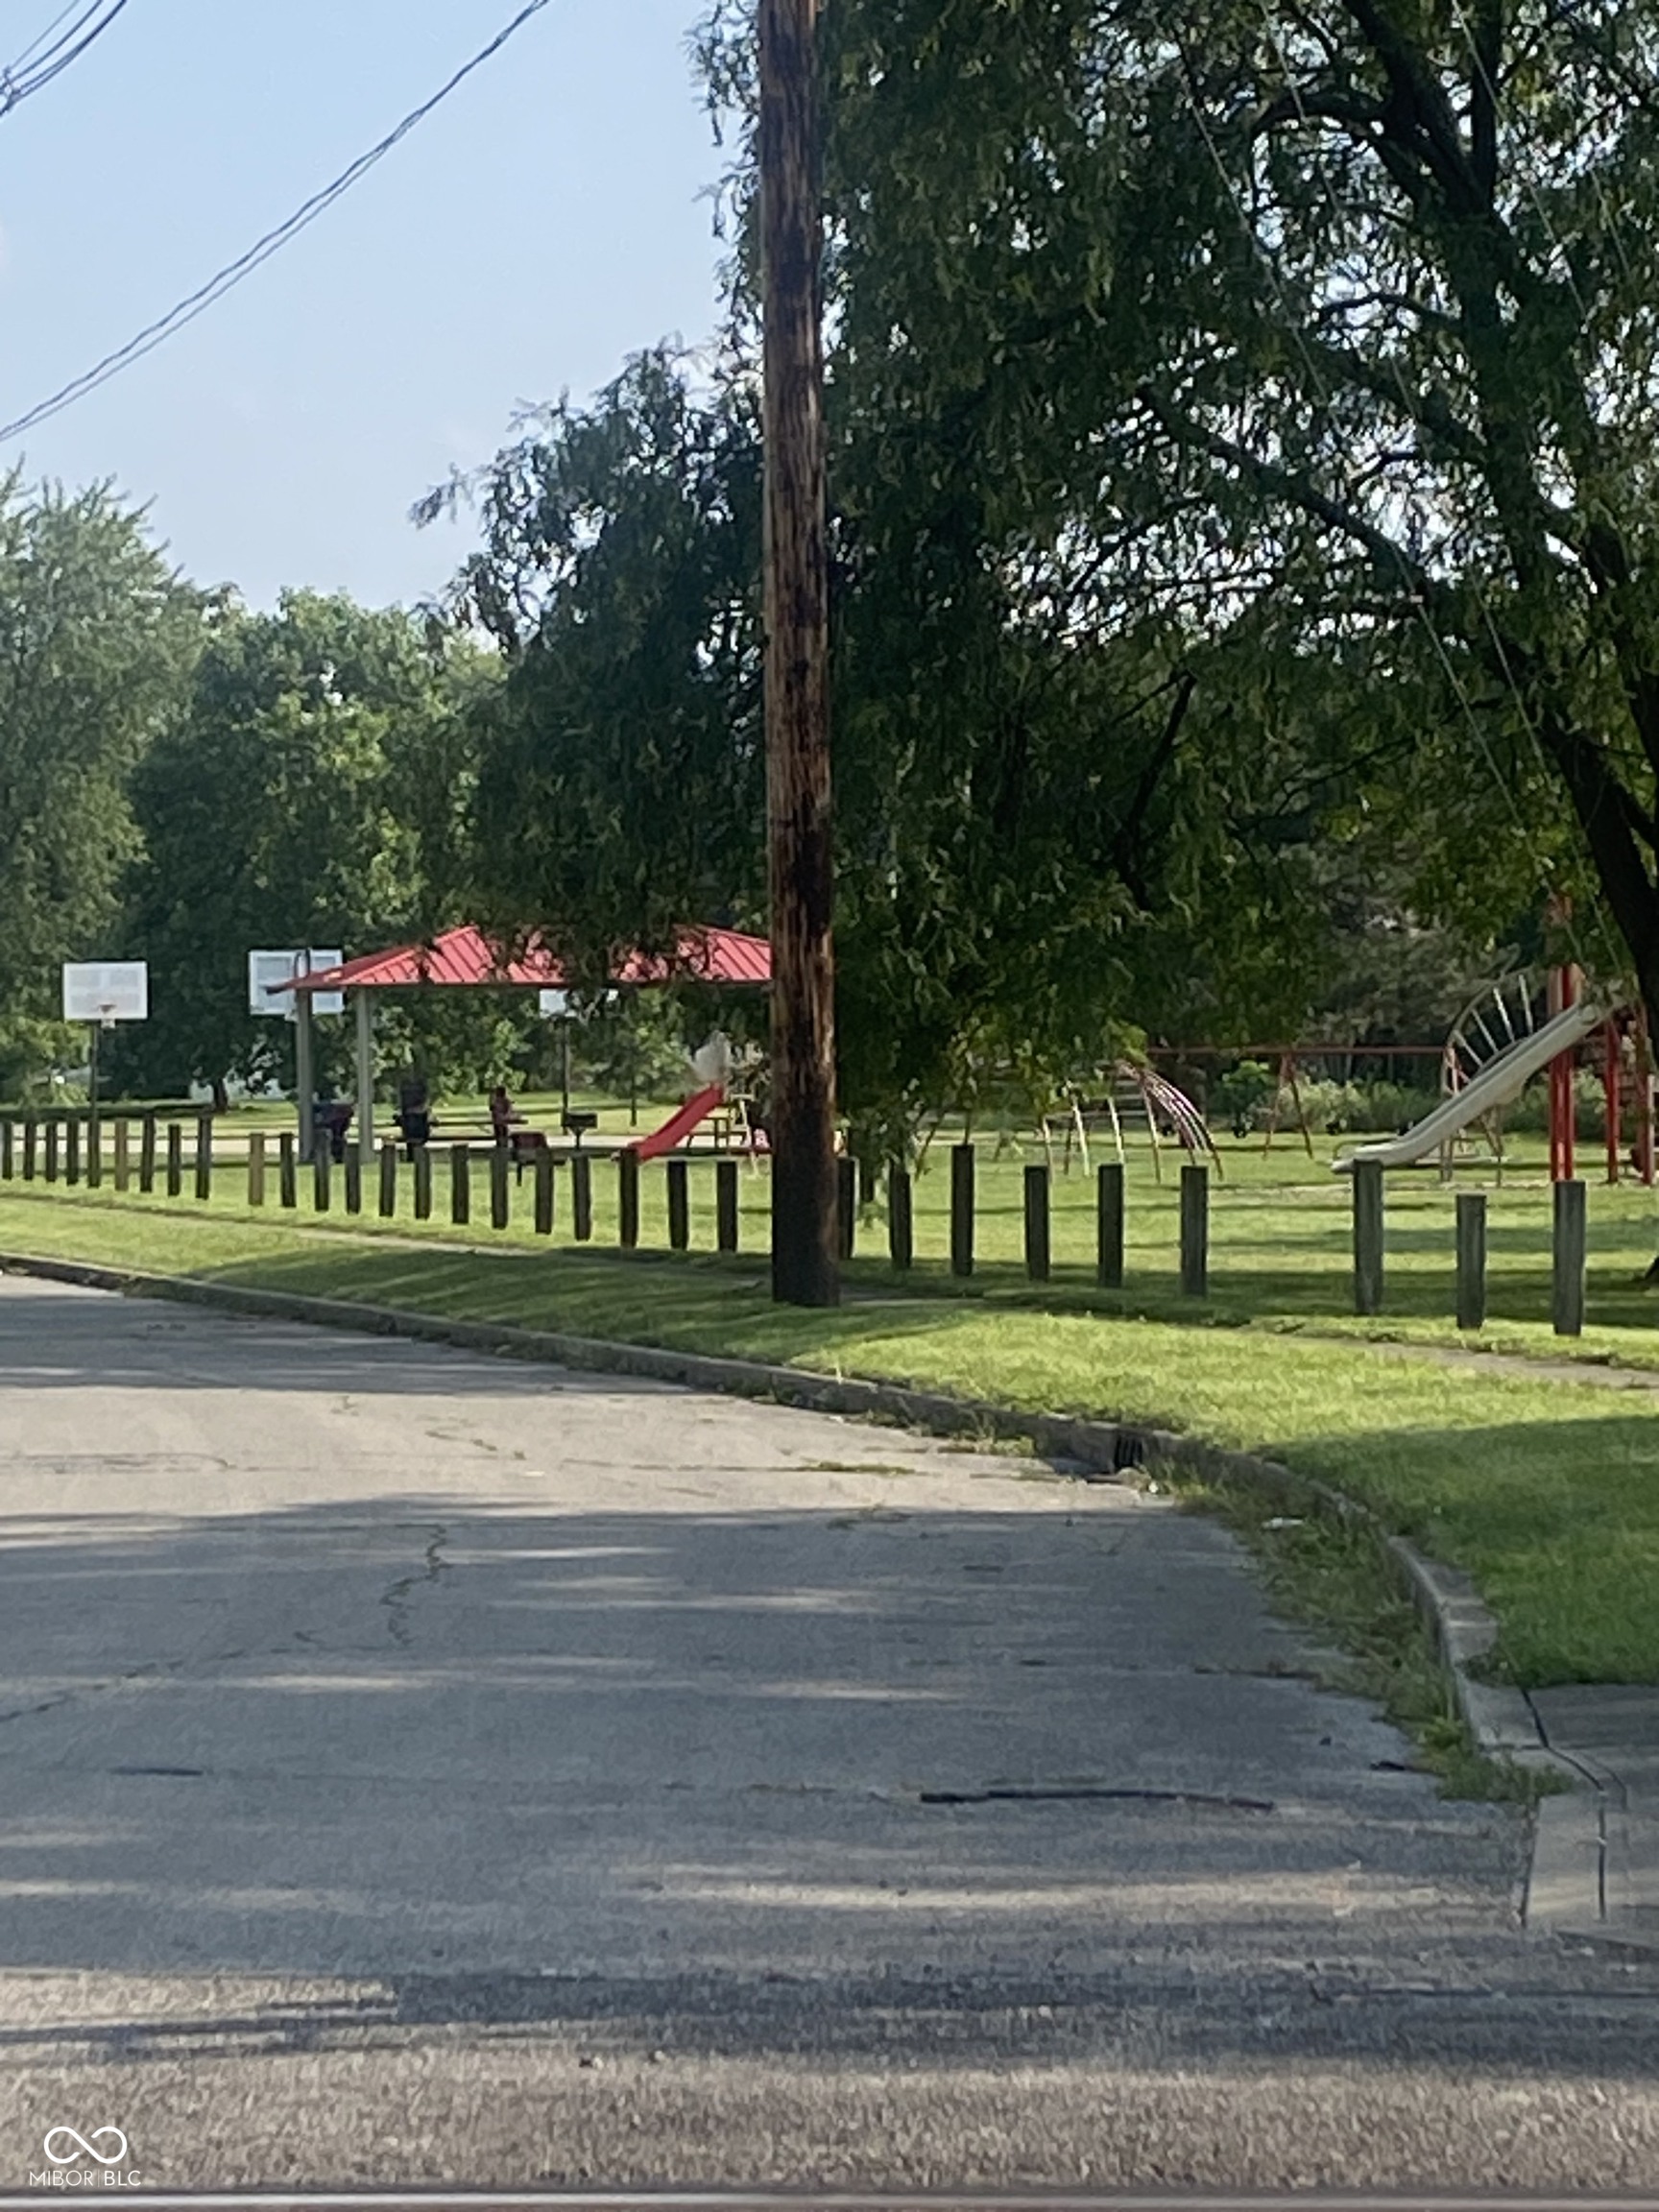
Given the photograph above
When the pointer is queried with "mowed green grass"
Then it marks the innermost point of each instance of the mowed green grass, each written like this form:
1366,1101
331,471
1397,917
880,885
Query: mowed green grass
1546,1491
1280,1233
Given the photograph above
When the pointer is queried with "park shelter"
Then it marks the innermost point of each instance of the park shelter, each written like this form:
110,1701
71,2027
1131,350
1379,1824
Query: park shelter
466,958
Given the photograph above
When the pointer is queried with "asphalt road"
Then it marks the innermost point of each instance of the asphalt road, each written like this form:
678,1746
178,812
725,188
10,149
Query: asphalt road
422,1767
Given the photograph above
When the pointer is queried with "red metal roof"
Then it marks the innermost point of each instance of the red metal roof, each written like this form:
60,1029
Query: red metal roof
465,957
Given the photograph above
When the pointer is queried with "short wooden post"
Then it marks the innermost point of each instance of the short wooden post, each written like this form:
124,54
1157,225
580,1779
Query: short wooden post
175,1159
962,1209
257,1168
627,1199
147,1130
94,1153
1109,1226
7,1161
72,1149
204,1155
30,1146
388,1182
725,1215
901,1218
421,1154
123,1154
581,1197
1470,1258
322,1160
846,1204
1571,1246
1036,1223
51,1149
287,1170
544,1192
353,1165
1194,1231
460,1185
1367,1236
500,1187
679,1207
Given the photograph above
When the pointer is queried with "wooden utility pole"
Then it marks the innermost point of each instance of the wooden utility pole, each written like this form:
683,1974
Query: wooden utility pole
805,1270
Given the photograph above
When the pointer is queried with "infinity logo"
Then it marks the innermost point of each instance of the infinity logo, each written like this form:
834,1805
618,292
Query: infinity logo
82,2145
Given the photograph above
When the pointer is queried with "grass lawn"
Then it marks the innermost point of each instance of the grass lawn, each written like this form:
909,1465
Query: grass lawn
1546,1491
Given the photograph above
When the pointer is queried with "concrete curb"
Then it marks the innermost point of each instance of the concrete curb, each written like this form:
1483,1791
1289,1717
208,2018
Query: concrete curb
1566,1885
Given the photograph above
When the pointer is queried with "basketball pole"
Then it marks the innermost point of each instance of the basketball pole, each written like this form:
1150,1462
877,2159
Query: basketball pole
799,860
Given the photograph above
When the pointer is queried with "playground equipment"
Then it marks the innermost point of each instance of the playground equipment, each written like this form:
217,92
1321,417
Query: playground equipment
681,1121
1503,1078
1133,1090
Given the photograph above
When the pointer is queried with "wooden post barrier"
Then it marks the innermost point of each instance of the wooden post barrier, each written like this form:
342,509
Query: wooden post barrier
94,1153
460,1185
581,1197
1367,1236
321,1181
7,1163
256,1169
123,1154
1109,1226
50,1146
1470,1258
353,1165
72,1148
30,1146
500,1187
901,1218
846,1204
1571,1246
726,1214
1037,1257
175,1159
962,1209
627,1199
287,1170
422,1156
1194,1231
679,1207
386,1201
544,1192
147,1133
204,1155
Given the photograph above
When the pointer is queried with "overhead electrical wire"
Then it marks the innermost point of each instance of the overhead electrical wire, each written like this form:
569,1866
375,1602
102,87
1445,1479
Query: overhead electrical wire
198,302
40,61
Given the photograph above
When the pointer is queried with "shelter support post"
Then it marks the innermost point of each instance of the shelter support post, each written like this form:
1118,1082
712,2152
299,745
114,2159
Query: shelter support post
365,1073
305,1073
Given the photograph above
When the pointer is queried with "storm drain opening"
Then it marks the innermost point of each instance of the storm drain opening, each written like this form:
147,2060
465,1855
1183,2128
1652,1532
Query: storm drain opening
1088,1793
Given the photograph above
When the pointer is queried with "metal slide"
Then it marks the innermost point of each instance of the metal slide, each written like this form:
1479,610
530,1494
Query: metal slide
1497,1082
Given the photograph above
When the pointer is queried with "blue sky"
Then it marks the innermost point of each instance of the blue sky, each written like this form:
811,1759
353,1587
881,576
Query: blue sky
543,224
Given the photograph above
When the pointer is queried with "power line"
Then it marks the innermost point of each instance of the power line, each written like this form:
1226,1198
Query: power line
198,302
39,62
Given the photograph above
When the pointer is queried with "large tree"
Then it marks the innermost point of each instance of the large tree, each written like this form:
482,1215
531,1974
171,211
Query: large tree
305,794
1039,844
96,638
1337,320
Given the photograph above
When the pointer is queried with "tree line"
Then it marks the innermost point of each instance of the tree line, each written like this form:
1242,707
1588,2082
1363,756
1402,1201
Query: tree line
1243,442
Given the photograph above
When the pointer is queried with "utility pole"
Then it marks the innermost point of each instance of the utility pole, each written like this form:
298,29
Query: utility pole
804,1269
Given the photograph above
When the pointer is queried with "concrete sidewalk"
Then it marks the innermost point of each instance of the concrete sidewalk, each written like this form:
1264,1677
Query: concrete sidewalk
1596,1861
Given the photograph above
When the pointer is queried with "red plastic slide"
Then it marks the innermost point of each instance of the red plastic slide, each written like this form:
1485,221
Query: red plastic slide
682,1124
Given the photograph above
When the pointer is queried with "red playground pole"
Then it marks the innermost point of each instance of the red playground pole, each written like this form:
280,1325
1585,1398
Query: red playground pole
1644,1100
1613,1100
1563,992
